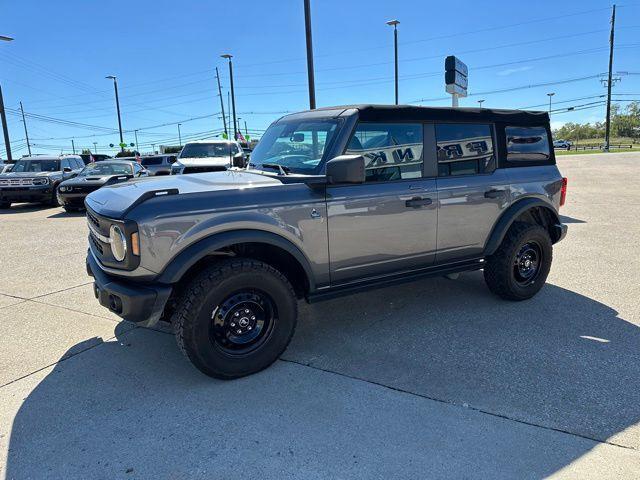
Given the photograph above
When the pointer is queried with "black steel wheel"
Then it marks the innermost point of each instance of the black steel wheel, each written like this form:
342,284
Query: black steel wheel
520,266
243,322
235,318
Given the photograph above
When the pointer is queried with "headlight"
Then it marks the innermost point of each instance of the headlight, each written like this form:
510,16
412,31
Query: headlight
41,181
63,188
118,243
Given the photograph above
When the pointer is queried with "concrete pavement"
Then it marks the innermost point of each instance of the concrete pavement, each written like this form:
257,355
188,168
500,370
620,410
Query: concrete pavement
434,379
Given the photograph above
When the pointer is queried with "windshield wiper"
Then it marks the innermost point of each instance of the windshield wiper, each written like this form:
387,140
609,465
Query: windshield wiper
281,168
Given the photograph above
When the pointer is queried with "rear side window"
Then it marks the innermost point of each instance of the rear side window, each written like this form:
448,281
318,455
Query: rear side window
527,144
152,161
392,151
465,149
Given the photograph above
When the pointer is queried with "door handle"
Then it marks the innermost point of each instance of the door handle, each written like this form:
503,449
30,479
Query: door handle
494,193
417,202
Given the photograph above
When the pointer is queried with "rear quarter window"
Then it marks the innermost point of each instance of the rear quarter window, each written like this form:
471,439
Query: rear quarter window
528,145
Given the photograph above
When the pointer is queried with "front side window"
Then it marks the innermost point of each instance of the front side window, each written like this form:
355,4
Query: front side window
37,166
297,146
464,149
527,144
392,151
146,161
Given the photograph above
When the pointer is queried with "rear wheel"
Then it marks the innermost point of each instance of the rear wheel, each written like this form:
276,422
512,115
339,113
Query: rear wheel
71,209
54,198
520,266
235,318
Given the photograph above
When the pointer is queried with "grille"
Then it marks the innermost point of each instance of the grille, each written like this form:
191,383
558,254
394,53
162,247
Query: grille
93,220
16,182
96,244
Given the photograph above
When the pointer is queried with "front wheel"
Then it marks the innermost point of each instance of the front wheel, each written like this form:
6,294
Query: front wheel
520,266
235,318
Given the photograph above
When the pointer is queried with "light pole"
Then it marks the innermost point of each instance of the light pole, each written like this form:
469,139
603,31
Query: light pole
153,148
115,87
135,133
3,116
551,94
95,147
310,74
179,136
395,23
233,95
480,102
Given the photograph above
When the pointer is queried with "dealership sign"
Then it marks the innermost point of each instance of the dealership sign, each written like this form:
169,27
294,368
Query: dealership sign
456,77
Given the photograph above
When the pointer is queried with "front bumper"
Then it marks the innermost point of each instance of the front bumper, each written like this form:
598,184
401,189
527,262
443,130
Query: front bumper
139,303
72,199
40,193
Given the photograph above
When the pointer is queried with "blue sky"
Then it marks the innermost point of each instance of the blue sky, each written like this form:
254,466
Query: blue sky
164,54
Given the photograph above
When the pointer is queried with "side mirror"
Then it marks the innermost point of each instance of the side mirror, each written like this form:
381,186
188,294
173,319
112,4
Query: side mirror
346,169
66,170
238,160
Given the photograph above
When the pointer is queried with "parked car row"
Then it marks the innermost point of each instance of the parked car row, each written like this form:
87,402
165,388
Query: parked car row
66,180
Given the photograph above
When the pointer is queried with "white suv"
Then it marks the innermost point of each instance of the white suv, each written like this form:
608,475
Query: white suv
208,156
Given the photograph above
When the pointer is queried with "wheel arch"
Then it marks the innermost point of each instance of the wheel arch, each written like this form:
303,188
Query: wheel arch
529,210
243,242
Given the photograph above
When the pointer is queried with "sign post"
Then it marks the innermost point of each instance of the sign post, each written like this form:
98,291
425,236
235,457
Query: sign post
455,78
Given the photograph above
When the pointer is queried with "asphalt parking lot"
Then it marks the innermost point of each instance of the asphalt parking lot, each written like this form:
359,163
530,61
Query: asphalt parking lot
433,379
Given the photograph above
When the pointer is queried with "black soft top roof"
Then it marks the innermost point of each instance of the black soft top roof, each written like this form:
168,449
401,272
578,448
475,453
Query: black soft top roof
403,113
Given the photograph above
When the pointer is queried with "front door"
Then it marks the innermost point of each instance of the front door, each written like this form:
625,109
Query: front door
387,224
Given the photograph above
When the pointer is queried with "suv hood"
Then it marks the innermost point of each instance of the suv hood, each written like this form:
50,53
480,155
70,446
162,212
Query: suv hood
115,200
205,162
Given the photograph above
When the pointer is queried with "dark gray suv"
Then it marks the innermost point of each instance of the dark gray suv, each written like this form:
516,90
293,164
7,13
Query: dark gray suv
335,200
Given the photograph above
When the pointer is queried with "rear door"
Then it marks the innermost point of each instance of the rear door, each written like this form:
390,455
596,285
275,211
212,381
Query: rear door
387,224
472,192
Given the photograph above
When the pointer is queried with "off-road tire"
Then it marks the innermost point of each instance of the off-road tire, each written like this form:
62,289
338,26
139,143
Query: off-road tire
5,205
500,270
71,209
54,198
192,318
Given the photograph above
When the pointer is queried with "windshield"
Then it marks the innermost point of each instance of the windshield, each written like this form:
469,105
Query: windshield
105,168
204,150
298,146
37,166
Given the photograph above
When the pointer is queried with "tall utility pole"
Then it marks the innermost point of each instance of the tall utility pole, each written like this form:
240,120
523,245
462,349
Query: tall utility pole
246,130
115,87
233,95
179,136
224,119
310,75
229,108
73,146
95,147
607,130
395,23
3,116
135,133
26,134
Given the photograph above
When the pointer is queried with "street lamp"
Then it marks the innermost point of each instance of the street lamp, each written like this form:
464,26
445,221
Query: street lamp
95,147
480,102
115,87
179,136
233,95
395,23
3,116
550,95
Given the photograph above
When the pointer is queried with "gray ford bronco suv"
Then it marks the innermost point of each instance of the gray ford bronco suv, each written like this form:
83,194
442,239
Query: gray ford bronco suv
335,200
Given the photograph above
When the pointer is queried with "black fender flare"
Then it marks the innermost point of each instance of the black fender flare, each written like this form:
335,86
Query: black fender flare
186,259
508,217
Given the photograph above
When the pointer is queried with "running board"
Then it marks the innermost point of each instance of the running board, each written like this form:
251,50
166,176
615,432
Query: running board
393,279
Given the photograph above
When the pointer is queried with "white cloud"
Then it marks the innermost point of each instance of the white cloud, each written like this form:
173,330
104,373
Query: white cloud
511,71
